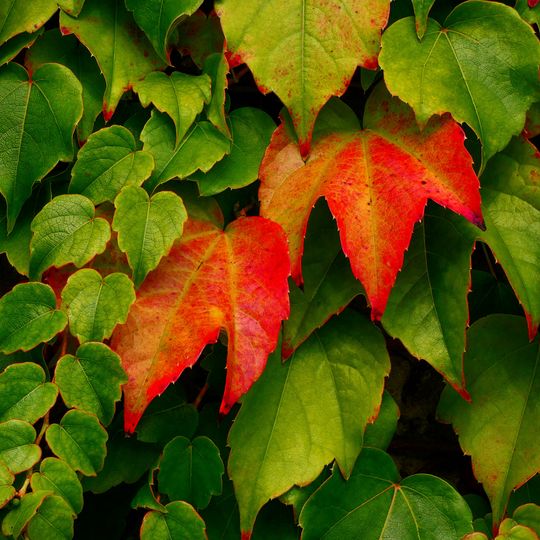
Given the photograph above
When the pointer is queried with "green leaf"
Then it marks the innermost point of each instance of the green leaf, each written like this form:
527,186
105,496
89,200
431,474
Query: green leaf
499,428
317,403
511,209
221,516
66,231
95,304
380,433
122,51
17,519
329,284
180,522
251,130
38,121
24,394
79,440
56,476
179,95
18,16
201,148
529,14
107,162
145,498
7,491
427,309
528,515
421,12
159,17
91,380
16,44
217,67
53,520
147,227
17,448
29,317
126,461
510,530
191,471
297,496
73,7
468,67
68,51
375,504
304,52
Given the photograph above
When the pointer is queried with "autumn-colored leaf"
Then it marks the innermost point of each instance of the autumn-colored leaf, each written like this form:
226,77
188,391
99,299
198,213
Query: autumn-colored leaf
234,279
376,182
311,52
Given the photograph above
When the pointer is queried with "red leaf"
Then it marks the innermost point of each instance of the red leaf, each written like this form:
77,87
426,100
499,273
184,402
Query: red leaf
533,3
376,182
234,279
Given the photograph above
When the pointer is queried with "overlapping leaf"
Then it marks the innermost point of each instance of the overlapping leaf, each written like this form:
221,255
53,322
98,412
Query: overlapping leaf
53,518
311,52
212,278
16,44
39,114
468,67
177,522
499,428
310,410
19,16
376,182
122,51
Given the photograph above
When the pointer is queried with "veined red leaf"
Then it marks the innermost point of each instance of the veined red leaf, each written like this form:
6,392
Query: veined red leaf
212,279
376,182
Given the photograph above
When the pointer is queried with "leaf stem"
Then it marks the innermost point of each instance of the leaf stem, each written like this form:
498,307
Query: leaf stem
200,395
488,260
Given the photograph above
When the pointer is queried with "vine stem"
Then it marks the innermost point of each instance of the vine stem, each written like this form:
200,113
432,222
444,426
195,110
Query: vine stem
200,395
43,429
490,265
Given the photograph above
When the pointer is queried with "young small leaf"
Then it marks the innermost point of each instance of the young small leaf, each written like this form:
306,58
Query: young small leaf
147,227
24,394
18,518
191,471
66,231
91,380
29,317
57,476
79,440
17,448
421,12
107,162
95,304
178,523
216,67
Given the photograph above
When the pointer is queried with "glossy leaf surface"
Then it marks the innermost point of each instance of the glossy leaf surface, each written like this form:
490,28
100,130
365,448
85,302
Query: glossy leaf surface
17,448
317,403
211,277
180,522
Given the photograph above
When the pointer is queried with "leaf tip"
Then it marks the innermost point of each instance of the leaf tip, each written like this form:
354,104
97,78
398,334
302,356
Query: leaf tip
246,535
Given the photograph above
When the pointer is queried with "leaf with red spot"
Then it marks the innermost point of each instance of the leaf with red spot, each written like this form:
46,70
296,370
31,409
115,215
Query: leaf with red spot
376,182
311,52
211,280
122,51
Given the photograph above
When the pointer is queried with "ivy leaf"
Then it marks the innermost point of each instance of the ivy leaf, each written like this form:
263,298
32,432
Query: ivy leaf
57,476
16,44
18,518
66,231
305,59
24,394
217,274
159,17
498,429
191,471
79,440
179,522
251,130
376,182
464,68
68,51
107,162
91,380
329,284
427,309
7,491
72,7
375,504
317,403
216,67
38,120
179,95
202,146
17,448
380,433
21,16
29,317
53,519
421,12
122,51
147,227
95,304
